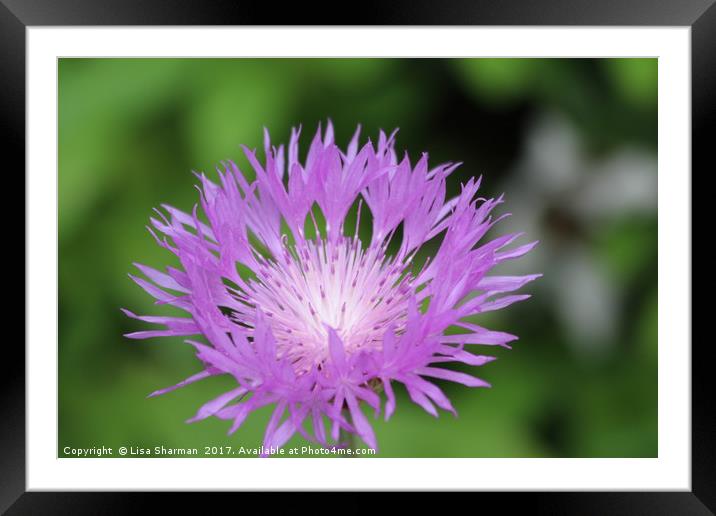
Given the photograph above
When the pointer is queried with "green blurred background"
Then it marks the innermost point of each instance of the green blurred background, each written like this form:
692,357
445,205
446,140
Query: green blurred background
572,143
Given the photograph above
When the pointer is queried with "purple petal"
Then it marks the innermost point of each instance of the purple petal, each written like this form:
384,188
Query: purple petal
213,406
194,378
360,422
453,376
337,351
390,403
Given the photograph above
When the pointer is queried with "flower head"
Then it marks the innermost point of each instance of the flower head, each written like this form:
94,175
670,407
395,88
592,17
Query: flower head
308,314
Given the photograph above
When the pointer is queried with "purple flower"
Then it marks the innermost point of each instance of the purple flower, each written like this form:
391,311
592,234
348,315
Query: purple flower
311,318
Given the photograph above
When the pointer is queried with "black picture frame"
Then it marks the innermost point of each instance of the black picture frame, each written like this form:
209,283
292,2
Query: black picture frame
17,15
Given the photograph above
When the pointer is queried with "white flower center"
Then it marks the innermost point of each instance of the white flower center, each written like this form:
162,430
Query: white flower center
358,292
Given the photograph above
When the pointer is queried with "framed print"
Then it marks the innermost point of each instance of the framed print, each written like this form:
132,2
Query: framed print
448,249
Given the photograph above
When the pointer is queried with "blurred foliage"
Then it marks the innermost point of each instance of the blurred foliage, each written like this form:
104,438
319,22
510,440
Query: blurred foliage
130,131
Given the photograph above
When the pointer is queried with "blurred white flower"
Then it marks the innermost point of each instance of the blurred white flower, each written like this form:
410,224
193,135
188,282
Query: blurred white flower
623,184
563,195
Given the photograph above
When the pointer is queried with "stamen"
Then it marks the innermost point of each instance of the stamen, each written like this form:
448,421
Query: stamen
358,292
